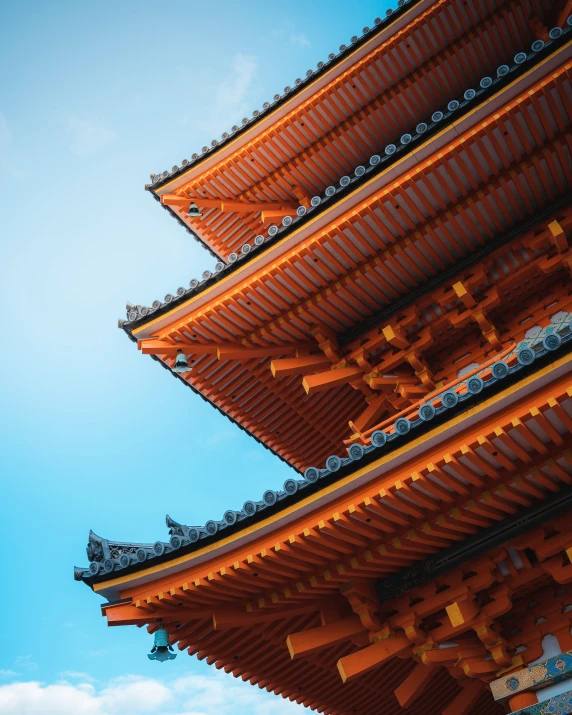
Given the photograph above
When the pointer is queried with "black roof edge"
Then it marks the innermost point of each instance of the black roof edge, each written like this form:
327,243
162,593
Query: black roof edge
344,471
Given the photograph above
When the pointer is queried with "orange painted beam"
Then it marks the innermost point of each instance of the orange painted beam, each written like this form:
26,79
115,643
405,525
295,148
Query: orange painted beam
558,236
299,365
391,380
365,659
268,215
314,639
244,207
395,337
376,407
462,611
223,351
464,295
412,687
181,202
564,12
130,615
522,700
332,378
162,347
224,205
380,511
237,352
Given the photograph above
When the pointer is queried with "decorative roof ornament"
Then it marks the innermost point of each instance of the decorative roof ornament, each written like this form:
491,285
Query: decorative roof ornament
162,649
194,211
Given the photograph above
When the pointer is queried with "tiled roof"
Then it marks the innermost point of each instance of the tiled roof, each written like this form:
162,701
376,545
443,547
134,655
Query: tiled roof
108,557
441,117
379,24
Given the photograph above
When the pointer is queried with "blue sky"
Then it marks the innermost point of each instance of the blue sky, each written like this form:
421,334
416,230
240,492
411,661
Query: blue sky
94,97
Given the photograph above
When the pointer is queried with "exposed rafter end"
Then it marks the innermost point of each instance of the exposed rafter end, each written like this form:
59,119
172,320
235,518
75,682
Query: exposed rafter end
363,660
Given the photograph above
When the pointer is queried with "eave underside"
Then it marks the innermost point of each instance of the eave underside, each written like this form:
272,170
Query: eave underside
386,94
511,461
475,190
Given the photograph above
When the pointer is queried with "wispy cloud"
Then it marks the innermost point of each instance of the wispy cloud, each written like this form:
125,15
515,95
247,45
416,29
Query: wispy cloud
7,673
215,694
289,33
8,162
233,93
96,653
25,662
223,435
5,134
232,98
76,675
253,455
87,136
300,39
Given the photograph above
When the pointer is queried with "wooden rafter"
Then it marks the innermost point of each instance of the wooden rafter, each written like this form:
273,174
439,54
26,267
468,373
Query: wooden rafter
265,168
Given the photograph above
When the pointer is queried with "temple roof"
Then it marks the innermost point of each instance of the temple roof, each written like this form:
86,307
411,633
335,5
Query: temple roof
390,155
372,96
397,236
108,557
388,23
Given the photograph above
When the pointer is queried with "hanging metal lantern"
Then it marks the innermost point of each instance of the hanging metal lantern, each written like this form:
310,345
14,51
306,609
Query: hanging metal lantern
162,649
181,365
194,211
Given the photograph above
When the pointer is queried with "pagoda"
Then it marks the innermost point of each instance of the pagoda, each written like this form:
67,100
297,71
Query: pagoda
390,314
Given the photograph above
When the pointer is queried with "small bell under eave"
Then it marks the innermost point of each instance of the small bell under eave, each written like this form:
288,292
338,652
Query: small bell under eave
194,211
181,365
162,649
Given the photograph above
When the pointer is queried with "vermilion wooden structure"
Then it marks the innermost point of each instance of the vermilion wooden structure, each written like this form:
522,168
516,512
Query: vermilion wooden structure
393,284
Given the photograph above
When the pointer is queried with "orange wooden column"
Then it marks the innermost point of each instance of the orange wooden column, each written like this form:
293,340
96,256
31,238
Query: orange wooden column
522,700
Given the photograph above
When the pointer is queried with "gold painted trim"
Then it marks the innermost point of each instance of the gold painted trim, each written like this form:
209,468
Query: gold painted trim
474,411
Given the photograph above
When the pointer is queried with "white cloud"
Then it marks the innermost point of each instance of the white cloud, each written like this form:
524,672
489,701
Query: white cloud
215,694
300,39
88,137
76,675
7,673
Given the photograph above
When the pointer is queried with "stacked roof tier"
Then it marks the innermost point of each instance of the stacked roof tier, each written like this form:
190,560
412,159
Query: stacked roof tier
367,97
371,259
